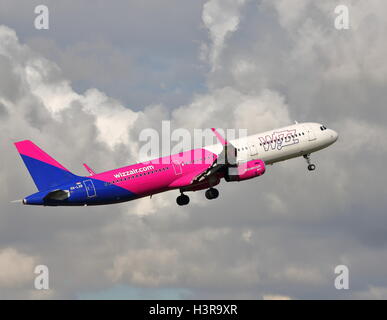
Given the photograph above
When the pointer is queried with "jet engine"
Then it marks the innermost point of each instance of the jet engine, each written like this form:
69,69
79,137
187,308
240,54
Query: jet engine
245,171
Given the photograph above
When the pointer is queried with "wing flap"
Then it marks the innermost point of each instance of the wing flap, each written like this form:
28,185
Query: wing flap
186,179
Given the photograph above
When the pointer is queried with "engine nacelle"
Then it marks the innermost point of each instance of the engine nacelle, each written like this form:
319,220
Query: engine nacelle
245,171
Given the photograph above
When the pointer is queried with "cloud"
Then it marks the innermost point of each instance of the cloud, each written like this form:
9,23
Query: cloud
373,293
16,269
230,108
276,236
157,273
117,56
290,13
157,266
220,18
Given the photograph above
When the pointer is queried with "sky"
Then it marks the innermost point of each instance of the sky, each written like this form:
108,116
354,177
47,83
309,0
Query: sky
84,90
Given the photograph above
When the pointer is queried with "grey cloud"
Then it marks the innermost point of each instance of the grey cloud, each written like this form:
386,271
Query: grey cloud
3,110
146,54
279,235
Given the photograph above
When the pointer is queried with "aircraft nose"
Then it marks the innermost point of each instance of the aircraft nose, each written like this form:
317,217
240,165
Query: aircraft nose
334,135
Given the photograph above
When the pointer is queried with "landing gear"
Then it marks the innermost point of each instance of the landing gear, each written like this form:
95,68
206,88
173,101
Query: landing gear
212,193
311,166
182,200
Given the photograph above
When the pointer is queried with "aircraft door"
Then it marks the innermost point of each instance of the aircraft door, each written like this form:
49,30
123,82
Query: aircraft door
310,133
253,150
90,189
177,168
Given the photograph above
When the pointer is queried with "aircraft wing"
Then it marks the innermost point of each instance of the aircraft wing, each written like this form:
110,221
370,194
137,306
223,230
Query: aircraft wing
228,155
225,159
186,179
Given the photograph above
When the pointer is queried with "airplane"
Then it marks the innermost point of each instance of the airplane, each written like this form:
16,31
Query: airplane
197,169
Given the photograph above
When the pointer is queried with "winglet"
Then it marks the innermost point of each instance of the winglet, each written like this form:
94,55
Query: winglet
220,138
91,172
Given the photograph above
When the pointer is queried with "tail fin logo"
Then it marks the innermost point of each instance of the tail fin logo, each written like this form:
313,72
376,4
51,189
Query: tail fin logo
44,170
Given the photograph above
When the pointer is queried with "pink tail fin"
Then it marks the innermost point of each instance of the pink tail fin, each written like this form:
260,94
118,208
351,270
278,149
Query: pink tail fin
29,149
45,170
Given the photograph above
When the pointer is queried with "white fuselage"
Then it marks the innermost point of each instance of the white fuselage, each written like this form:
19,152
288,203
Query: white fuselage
283,143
